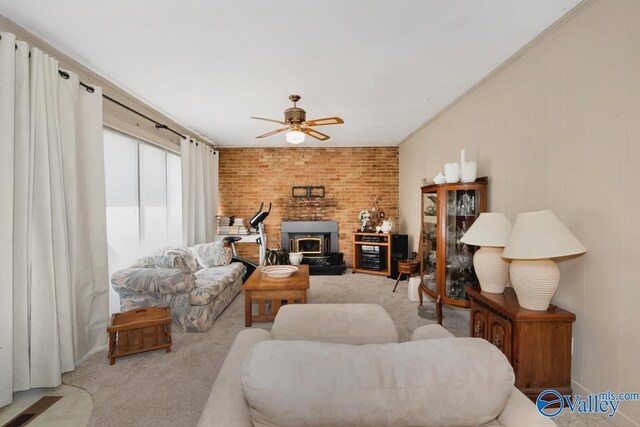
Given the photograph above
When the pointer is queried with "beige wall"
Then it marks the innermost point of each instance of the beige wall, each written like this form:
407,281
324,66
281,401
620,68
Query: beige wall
559,128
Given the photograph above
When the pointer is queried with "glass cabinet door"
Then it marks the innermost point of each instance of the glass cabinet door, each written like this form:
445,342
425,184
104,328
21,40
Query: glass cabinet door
463,206
429,227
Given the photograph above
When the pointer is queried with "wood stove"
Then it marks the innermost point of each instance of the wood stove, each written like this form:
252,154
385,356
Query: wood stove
310,245
317,241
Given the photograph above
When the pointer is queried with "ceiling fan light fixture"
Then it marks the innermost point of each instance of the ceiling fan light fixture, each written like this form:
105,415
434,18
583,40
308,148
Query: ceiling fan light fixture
297,125
295,137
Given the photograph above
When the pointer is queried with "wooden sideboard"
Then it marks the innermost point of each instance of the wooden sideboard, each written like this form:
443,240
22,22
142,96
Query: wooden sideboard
537,343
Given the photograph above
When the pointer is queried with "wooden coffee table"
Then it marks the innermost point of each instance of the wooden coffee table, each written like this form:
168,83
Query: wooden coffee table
262,288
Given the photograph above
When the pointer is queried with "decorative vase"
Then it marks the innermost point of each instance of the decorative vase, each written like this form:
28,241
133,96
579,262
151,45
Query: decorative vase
439,179
295,258
387,226
468,170
451,172
492,270
534,281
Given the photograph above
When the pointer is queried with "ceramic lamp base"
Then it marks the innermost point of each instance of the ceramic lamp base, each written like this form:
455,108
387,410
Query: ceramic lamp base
535,282
492,270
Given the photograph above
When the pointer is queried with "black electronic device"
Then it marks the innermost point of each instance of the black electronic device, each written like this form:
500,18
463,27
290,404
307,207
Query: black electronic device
399,251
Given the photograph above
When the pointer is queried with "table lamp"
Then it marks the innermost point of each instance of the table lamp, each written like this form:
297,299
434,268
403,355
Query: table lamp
491,232
535,239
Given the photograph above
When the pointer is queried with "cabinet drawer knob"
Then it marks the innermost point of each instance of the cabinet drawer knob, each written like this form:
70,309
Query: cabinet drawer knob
477,328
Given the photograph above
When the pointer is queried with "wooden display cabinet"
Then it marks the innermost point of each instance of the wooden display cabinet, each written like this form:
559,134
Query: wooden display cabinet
536,343
446,264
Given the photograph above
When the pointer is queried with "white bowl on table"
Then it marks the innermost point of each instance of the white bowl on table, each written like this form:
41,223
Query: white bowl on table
279,271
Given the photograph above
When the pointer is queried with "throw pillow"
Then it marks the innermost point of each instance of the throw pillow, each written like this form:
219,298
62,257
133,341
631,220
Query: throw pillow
161,261
185,253
212,254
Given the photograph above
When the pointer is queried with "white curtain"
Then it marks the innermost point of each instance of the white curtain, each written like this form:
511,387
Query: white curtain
53,255
199,191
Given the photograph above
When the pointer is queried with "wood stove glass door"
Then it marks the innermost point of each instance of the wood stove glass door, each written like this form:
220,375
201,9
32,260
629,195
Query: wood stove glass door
309,245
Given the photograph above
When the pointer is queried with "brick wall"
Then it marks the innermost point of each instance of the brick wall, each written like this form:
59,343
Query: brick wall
352,178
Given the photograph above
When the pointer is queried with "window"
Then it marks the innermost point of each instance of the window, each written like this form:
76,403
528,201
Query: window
144,201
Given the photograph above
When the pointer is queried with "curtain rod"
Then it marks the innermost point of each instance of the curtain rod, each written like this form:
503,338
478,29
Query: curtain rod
159,125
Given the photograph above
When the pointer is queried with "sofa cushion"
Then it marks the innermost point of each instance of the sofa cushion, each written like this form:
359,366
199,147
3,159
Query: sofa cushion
185,253
162,261
428,332
152,280
226,406
212,281
338,323
212,254
444,382
522,412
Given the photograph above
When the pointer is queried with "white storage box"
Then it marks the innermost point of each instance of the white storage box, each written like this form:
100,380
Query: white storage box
412,289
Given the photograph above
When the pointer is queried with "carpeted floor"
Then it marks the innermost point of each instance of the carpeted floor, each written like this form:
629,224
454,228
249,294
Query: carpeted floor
160,389
170,389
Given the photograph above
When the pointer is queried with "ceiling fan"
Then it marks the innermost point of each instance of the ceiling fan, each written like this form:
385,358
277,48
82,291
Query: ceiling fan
297,125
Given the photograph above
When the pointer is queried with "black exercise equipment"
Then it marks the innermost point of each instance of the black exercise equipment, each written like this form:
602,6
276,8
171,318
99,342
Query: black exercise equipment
257,223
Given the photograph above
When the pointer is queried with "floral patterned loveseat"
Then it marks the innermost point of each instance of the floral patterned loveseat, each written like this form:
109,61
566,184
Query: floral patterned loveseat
197,283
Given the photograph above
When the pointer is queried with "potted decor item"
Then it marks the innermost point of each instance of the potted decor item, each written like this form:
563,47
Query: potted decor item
386,226
278,256
295,258
451,172
468,170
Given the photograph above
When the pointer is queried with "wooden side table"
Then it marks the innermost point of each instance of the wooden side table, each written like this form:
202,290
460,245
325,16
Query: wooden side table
138,330
261,288
536,343
408,267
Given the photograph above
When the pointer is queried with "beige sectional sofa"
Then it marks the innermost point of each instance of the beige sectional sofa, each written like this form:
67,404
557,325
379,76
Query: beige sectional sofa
305,383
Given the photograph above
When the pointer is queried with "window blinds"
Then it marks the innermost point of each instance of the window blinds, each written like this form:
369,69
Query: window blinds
144,200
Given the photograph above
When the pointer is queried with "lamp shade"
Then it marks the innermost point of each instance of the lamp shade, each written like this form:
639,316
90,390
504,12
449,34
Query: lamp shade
295,137
539,235
490,229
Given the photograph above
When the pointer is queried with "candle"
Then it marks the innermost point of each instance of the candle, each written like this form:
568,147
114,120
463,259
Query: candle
462,157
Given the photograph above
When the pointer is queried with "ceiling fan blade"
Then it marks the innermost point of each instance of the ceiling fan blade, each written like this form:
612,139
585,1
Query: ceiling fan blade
269,120
264,135
315,134
325,121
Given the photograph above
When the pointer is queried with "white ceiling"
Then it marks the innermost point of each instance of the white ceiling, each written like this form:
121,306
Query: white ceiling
384,66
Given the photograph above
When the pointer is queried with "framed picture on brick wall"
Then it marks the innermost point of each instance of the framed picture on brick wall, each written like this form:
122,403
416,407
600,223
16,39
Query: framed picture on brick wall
307,192
300,192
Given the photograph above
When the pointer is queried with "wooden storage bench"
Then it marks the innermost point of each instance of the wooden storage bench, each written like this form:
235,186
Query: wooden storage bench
138,330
